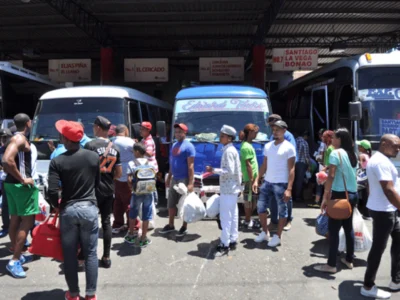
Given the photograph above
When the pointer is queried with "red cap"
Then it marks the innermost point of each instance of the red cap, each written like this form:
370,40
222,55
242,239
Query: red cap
146,125
181,126
71,130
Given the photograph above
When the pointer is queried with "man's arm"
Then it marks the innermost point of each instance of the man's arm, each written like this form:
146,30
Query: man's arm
230,165
190,162
288,192
249,170
263,168
54,184
390,193
17,143
117,172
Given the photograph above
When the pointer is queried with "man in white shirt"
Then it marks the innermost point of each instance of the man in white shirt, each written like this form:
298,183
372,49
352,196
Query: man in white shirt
278,167
122,190
383,204
230,182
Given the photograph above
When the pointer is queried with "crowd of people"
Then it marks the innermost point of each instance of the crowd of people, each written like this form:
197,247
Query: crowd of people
117,175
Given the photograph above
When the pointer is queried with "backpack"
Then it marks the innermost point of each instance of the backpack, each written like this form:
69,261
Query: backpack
144,178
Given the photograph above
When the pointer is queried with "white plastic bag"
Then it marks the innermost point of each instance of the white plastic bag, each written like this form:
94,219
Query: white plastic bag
193,209
397,186
181,189
44,207
362,237
213,206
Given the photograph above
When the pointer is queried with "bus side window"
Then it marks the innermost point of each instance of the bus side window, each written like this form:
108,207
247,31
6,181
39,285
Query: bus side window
346,95
134,111
145,113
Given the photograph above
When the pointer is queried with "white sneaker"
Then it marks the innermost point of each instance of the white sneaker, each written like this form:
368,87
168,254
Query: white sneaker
394,286
262,237
375,293
250,224
275,241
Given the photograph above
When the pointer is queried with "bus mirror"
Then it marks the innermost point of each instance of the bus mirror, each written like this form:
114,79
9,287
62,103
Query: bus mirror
136,130
161,129
355,112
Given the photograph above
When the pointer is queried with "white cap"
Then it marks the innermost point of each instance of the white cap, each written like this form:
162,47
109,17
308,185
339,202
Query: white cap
229,130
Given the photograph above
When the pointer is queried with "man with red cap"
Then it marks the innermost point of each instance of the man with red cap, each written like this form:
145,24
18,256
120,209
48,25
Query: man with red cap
181,169
79,173
110,169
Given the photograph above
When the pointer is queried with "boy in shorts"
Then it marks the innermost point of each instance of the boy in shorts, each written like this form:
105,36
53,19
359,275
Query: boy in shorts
139,199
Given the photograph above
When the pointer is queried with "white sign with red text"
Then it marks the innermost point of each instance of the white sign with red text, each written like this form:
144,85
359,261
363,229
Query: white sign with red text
70,70
221,69
146,69
293,59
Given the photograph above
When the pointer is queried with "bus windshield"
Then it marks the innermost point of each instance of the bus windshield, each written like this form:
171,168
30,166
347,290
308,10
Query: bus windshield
205,117
379,91
84,110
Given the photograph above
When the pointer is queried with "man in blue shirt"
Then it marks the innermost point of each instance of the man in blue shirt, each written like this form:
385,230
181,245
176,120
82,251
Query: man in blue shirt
181,170
274,209
60,147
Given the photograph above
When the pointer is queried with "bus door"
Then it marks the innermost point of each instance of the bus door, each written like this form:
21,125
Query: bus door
319,110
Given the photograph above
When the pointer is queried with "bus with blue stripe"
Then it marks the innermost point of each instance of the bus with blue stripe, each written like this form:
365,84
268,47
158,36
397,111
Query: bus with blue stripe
205,110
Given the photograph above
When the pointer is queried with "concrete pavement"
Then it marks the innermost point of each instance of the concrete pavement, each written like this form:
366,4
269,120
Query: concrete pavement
172,268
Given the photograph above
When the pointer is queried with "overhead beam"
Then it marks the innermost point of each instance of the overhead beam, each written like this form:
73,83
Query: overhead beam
269,18
337,21
83,19
175,13
330,11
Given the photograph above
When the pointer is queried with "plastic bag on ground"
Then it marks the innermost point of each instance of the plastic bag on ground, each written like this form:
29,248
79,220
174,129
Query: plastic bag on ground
213,206
362,236
193,209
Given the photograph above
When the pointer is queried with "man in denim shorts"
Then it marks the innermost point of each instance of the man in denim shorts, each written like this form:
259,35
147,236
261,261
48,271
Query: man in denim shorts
278,167
181,170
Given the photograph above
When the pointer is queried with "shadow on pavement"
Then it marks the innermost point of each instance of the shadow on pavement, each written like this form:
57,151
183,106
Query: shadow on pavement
320,248
56,294
205,250
310,221
350,290
250,244
310,272
123,249
171,236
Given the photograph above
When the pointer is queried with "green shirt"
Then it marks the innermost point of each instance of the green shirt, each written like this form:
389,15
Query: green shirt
345,168
247,152
327,154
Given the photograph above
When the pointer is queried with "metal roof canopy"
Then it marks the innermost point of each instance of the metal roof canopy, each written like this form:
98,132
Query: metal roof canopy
161,28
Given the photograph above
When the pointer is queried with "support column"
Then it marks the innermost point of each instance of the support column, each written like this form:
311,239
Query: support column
259,66
106,61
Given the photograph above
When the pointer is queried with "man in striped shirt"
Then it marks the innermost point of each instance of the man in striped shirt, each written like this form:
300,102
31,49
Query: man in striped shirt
148,142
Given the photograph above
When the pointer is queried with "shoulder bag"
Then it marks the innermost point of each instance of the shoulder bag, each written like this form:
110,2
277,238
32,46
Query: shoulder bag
340,209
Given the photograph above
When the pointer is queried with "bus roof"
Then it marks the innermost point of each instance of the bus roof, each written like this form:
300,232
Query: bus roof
104,92
360,61
8,67
220,91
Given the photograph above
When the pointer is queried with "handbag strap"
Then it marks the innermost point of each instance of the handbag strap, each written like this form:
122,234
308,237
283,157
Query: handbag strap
344,180
107,149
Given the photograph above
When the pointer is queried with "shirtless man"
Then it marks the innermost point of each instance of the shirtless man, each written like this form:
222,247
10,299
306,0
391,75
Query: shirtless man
22,195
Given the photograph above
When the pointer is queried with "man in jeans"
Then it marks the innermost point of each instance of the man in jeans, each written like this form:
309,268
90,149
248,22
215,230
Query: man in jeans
110,169
181,169
79,173
383,204
278,167
122,189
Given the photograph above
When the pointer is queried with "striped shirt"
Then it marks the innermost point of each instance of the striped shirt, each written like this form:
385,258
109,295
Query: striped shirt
151,148
303,152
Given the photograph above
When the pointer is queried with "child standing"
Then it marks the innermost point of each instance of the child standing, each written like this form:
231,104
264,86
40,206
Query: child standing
142,179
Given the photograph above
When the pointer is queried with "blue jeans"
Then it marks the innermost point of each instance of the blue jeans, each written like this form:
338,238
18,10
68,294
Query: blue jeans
334,228
146,202
79,226
271,196
274,211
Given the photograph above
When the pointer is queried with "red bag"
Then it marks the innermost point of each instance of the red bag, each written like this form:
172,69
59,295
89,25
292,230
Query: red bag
46,239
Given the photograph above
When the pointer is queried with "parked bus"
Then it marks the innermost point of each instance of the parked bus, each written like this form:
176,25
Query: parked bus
360,92
118,104
205,109
20,90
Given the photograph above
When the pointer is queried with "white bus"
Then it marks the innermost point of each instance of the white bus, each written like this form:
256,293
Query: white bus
360,92
118,104
20,90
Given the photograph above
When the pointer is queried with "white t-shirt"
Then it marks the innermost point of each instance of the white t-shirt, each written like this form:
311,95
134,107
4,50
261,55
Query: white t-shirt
380,168
277,163
125,146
